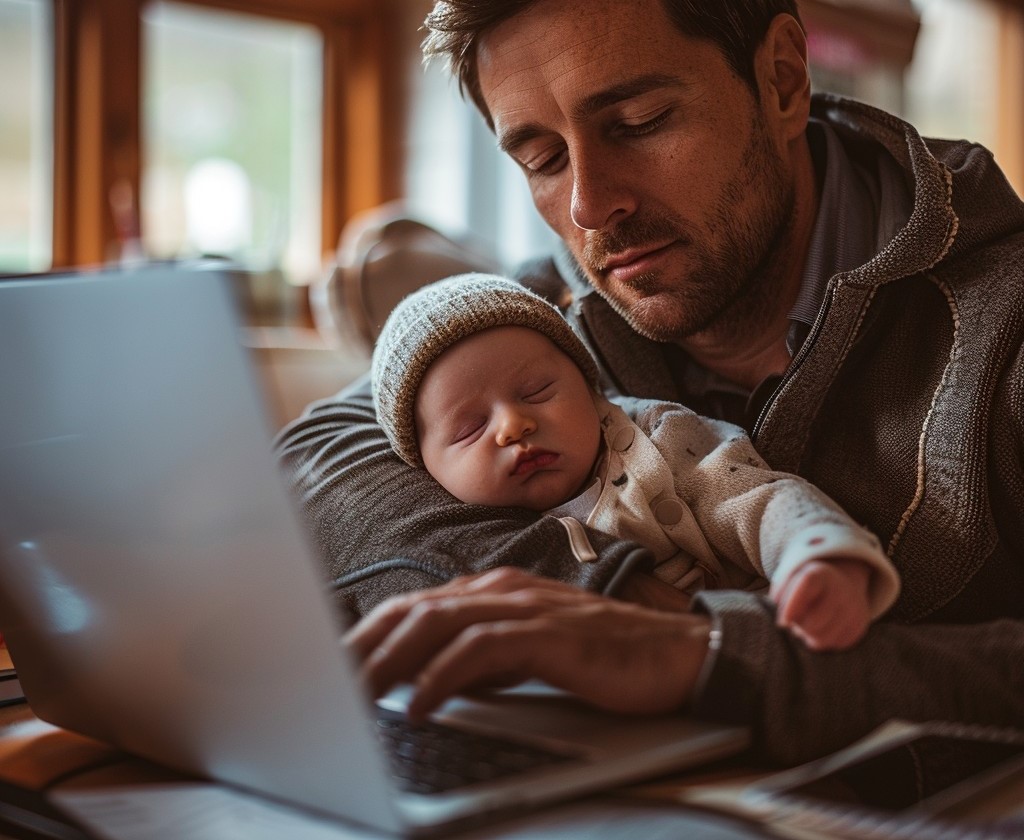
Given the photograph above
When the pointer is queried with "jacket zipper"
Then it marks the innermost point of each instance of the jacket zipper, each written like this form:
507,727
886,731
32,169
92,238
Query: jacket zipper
795,365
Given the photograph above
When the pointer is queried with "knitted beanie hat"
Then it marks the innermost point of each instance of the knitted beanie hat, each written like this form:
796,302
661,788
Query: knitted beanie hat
431,320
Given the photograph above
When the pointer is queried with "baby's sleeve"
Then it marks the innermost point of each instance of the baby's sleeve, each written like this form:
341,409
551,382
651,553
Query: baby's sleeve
757,520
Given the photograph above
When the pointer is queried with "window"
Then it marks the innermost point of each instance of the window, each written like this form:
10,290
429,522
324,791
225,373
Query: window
119,120
231,138
26,135
953,68
977,96
456,178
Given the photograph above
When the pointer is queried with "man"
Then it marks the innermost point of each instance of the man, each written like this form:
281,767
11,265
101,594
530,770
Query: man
852,295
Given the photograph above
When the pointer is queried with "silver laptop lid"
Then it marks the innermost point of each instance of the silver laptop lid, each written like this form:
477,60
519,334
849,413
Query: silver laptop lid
133,450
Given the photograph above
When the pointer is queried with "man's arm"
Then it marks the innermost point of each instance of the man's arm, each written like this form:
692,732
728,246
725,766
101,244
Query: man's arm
803,704
383,527
727,662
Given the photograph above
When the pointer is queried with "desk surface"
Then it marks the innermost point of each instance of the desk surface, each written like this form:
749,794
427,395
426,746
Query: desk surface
116,796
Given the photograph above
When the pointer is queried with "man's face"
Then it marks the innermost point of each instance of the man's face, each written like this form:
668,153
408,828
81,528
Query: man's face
646,154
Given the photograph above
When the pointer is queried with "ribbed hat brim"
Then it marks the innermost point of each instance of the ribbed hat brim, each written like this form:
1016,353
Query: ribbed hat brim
432,319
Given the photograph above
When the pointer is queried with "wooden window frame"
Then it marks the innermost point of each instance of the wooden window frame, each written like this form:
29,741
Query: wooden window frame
1010,145
97,120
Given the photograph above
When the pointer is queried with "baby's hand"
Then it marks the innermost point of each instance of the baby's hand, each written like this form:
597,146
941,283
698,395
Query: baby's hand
825,603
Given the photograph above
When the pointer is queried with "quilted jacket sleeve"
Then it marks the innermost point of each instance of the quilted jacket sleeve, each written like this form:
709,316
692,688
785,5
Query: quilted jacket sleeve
803,705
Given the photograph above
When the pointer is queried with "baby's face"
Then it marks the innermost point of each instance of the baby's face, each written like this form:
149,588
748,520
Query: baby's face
505,418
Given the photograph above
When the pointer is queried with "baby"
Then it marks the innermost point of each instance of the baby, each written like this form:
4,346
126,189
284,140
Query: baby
486,386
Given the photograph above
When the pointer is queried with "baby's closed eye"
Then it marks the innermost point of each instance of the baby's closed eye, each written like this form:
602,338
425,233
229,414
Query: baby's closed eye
539,393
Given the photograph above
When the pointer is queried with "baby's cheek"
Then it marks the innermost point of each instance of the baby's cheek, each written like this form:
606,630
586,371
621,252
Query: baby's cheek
478,481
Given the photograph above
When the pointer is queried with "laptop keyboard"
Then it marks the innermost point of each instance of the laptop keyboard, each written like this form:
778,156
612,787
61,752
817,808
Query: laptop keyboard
431,757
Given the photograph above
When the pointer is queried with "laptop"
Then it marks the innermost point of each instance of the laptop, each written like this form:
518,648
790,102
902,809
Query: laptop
158,592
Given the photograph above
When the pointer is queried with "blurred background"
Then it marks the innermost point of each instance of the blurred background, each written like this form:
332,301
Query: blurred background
256,130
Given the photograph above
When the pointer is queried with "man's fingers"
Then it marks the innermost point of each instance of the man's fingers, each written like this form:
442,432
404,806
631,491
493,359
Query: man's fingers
478,656
368,633
432,624
609,654
375,626
507,625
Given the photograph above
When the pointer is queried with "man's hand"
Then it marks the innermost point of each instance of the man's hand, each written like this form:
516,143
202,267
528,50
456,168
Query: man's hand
648,591
506,626
825,603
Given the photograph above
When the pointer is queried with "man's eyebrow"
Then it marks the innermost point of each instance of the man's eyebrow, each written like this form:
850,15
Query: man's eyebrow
516,137
587,107
637,86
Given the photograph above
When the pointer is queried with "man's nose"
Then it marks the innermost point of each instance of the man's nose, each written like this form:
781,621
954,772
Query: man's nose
600,196
513,426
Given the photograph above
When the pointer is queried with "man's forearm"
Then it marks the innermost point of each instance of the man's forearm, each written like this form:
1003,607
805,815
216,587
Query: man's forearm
803,704
383,527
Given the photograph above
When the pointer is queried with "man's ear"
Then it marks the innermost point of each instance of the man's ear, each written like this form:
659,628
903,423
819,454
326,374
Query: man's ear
782,76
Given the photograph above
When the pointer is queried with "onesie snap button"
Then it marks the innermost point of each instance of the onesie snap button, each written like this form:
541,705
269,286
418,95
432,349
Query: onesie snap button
668,511
623,439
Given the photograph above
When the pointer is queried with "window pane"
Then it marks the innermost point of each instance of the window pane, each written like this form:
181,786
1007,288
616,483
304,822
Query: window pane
26,136
944,101
232,138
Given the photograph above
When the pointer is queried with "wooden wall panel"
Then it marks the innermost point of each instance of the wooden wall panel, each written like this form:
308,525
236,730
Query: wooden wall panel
97,119
1010,145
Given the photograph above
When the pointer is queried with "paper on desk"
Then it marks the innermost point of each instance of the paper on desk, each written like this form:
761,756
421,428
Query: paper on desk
996,813
197,810
726,791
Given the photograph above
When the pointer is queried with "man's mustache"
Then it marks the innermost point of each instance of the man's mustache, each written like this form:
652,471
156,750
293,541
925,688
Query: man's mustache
634,232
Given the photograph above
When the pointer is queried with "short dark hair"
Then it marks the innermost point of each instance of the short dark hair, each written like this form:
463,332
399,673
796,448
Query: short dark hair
736,27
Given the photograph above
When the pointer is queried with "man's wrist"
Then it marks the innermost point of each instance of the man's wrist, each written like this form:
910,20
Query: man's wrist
740,644
705,641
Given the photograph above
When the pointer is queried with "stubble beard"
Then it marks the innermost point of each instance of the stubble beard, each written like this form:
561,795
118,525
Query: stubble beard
730,289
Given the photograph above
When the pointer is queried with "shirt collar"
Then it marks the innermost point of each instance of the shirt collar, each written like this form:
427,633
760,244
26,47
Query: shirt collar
844,233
